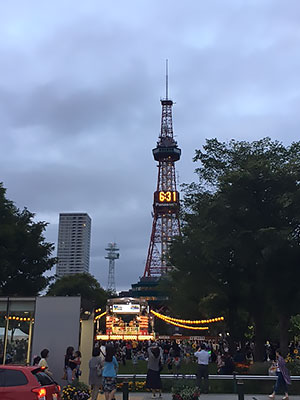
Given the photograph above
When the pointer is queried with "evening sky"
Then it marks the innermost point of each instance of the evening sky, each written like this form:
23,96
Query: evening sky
80,89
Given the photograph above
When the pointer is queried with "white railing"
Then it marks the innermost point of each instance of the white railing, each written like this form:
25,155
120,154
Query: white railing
213,377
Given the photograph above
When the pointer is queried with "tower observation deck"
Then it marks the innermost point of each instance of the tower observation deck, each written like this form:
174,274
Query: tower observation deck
166,197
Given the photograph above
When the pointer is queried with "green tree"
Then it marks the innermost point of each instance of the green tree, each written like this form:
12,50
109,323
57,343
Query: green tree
295,326
241,233
84,285
24,254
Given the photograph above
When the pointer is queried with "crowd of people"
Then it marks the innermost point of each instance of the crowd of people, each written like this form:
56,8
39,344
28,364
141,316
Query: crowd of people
16,351
175,353
103,366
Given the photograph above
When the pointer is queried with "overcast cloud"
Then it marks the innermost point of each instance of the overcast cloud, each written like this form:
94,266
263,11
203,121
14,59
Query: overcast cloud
80,84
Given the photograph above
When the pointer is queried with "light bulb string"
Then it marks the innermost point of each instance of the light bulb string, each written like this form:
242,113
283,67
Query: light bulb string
187,321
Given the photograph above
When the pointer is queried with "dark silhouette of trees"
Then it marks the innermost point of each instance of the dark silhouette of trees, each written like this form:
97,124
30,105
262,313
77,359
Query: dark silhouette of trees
84,285
24,254
240,249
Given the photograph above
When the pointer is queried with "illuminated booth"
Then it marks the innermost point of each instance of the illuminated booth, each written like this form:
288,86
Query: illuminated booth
30,324
16,328
126,318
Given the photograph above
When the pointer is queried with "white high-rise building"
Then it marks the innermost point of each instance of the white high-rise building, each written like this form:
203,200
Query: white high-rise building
74,236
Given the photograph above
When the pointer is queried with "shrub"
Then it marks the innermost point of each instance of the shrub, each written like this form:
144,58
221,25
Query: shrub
293,363
76,391
134,386
185,393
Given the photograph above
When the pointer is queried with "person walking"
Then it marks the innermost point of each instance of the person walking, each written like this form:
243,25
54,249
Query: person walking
69,366
95,378
202,356
283,377
153,380
43,361
110,373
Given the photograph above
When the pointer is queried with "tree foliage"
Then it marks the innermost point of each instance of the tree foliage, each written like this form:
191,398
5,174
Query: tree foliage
24,254
240,247
84,285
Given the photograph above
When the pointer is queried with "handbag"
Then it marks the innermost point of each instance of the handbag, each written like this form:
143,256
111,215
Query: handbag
272,370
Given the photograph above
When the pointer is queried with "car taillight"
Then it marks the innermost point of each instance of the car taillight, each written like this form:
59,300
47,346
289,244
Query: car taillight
40,392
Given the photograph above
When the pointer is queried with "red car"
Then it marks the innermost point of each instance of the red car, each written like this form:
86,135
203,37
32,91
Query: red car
27,383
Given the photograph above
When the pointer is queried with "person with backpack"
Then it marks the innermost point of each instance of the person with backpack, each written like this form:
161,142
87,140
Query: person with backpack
95,375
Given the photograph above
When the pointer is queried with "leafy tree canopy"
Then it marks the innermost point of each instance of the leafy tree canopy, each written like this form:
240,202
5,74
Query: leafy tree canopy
24,254
240,247
84,285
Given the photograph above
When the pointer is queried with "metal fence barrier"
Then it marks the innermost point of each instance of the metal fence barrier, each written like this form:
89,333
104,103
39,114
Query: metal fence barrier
237,380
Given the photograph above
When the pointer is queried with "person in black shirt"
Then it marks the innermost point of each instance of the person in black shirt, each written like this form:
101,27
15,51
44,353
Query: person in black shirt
69,365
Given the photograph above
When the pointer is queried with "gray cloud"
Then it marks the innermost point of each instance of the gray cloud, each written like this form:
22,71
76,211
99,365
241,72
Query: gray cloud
79,102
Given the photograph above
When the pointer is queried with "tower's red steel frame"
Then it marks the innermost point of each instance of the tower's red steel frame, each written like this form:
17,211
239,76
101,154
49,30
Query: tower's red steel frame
166,198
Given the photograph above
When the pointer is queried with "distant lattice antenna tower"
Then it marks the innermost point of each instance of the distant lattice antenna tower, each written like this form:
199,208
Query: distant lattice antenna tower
112,255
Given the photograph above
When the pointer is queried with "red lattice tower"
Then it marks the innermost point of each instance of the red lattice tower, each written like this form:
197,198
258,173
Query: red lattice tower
166,197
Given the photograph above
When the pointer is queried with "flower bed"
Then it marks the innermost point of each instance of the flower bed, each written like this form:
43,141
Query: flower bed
76,391
293,363
134,386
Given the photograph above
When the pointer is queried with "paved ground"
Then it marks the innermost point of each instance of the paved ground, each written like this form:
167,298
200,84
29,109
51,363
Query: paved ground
168,396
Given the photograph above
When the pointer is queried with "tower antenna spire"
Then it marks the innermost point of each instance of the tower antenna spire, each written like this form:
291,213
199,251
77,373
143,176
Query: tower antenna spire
167,78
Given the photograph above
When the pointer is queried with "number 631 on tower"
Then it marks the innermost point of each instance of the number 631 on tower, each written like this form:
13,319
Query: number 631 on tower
169,196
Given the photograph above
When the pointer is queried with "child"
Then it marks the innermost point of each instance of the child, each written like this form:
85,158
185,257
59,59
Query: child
36,360
77,361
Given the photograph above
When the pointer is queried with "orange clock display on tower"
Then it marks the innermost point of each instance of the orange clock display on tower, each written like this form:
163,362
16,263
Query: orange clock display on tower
168,197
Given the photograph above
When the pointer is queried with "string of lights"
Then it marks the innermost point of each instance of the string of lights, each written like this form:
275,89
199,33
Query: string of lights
196,328
188,321
99,316
16,318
